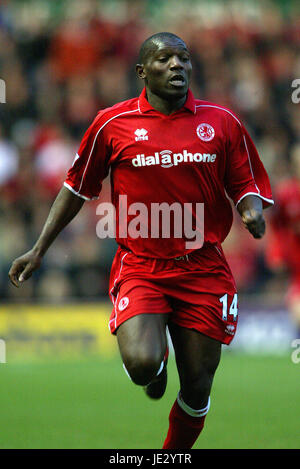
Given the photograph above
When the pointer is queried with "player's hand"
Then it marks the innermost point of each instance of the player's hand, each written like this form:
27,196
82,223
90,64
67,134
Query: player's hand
254,222
23,267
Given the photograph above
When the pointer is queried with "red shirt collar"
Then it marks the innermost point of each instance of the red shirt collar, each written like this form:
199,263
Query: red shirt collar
144,105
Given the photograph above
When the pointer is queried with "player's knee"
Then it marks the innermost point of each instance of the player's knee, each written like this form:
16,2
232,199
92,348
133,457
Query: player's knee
142,368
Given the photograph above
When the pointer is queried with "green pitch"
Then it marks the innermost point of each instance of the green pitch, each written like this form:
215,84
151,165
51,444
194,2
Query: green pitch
92,404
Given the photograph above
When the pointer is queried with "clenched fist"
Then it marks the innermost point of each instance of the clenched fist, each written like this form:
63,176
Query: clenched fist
254,222
23,267
251,210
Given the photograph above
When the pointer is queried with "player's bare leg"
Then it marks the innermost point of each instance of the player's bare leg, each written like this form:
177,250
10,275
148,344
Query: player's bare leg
142,342
197,358
156,388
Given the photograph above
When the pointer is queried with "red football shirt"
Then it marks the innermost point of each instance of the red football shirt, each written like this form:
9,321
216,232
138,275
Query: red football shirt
198,154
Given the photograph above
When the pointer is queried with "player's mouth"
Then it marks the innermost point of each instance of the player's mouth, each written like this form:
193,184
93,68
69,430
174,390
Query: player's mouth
177,80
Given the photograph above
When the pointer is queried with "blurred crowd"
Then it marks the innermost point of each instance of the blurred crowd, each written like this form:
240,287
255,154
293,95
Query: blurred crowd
63,61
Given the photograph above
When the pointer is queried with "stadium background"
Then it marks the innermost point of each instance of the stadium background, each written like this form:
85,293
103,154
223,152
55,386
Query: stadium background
63,385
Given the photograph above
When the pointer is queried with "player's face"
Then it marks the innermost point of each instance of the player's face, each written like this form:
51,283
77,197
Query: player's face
167,70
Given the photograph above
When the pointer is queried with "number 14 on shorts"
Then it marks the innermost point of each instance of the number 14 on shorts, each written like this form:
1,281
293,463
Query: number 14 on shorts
233,309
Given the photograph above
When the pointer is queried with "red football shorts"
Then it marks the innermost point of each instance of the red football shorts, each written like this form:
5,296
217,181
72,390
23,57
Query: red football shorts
197,291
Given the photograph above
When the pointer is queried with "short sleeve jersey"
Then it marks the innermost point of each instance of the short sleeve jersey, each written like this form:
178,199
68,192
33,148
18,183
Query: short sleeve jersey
200,154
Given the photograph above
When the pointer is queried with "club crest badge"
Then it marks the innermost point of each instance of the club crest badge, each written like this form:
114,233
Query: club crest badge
123,303
205,132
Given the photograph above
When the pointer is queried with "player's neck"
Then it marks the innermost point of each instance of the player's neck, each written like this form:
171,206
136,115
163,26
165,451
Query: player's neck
165,106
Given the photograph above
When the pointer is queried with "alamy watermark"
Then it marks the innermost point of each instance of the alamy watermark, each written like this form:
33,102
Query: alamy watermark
296,92
2,351
2,91
295,356
155,221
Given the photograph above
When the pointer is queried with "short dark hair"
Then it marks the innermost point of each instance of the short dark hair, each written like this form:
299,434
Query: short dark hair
152,41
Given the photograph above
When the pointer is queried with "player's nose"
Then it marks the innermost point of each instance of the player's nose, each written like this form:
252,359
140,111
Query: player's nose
176,63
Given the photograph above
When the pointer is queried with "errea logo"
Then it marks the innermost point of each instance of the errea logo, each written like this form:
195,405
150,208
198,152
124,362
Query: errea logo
141,134
230,329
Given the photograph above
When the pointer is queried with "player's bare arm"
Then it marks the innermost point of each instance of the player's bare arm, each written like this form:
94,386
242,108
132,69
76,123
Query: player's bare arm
64,209
251,210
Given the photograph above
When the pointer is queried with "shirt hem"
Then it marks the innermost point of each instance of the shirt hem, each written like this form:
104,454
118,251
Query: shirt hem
77,193
269,201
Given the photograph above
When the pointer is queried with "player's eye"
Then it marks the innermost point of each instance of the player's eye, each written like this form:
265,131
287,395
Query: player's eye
162,59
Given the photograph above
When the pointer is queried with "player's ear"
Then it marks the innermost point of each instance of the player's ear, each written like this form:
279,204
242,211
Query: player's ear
140,71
